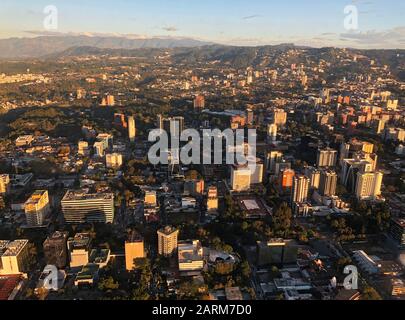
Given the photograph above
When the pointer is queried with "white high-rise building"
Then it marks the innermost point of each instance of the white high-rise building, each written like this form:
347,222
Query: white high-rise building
79,207
131,129
326,158
368,185
300,189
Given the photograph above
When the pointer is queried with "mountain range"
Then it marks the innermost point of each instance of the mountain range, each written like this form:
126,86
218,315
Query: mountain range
46,45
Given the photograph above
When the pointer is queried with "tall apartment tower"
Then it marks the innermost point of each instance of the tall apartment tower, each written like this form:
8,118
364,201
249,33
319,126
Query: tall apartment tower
368,186
167,241
328,183
300,189
55,249
131,129
326,158
37,208
4,183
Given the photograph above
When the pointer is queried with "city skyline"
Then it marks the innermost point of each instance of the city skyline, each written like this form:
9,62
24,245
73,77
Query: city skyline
243,23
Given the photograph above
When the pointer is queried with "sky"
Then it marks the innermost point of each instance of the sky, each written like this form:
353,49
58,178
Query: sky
237,22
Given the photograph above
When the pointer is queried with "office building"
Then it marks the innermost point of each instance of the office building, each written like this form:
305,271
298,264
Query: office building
167,241
14,257
4,183
240,178
131,129
368,185
113,160
134,249
190,255
328,183
79,207
37,207
300,189
212,199
326,158
79,248
55,249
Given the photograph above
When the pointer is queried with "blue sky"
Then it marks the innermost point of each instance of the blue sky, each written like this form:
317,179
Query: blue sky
240,22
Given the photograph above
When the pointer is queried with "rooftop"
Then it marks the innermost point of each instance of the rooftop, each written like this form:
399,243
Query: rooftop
72,195
15,247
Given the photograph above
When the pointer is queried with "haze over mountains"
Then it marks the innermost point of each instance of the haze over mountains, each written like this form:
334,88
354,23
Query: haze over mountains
45,45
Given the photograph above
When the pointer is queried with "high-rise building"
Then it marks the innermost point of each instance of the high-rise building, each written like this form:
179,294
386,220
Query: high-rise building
55,249
134,249
314,176
350,168
326,158
131,129
106,139
368,185
328,183
279,117
272,132
99,149
80,207
272,158
300,189
167,241
212,199
249,116
240,178
14,257
287,178
173,126
37,207
113,160
380,126
199,102
4,183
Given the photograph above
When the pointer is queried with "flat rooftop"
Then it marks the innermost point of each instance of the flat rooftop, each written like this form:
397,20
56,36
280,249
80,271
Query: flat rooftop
14,248
80,196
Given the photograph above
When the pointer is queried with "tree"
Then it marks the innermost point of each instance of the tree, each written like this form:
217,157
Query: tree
108,284
282,220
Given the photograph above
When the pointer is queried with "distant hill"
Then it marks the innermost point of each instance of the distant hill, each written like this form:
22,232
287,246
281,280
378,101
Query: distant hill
46,45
